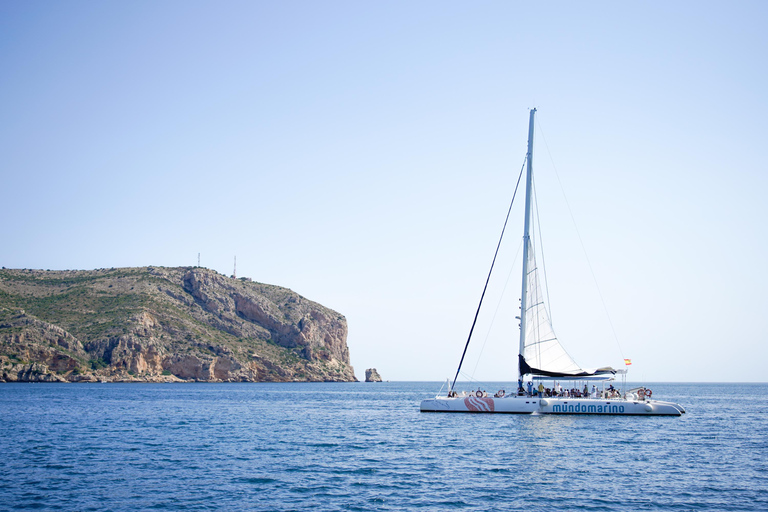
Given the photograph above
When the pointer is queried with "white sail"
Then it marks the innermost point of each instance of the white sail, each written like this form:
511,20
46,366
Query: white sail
542,350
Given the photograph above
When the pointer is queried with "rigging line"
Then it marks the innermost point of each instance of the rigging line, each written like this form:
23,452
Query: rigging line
541,246
498,306
547,309
578,234
533,289
489,274
471,380
535,286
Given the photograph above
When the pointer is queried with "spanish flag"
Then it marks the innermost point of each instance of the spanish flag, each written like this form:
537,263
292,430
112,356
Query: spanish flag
627,362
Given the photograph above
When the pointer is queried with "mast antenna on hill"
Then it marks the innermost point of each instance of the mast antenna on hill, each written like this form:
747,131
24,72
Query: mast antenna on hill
198,259
234,272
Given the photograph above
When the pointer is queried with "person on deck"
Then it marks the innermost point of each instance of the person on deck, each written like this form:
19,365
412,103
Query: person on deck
530,388
541,389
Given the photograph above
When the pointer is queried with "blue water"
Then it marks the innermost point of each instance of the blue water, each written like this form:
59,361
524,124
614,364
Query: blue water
361,446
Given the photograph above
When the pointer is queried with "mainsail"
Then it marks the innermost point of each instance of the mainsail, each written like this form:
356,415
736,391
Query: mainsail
542,352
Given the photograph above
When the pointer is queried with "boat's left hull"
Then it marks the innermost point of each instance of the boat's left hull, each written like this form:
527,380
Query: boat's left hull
530,405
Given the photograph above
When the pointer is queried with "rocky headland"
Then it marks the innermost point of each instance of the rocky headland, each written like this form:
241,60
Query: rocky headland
158,324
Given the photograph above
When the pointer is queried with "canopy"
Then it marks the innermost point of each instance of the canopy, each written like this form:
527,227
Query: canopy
597,378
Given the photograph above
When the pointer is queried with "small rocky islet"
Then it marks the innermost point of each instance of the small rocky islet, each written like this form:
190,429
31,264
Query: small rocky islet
163,324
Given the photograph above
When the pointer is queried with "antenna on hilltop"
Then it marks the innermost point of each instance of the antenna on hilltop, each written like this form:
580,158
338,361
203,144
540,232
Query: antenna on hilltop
198,259
234,272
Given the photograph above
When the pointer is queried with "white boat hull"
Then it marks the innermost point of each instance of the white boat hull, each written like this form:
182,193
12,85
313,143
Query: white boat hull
530,405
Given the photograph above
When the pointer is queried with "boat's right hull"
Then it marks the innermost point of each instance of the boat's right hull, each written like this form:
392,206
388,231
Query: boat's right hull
530,405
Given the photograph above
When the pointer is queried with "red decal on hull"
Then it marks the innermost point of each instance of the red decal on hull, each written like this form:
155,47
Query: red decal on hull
476,404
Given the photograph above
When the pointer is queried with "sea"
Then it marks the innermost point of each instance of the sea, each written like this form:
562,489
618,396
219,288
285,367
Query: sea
365,446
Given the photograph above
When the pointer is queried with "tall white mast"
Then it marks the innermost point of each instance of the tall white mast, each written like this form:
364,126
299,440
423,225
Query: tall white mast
526,235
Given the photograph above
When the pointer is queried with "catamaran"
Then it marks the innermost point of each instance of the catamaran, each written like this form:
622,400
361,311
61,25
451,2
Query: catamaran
542,358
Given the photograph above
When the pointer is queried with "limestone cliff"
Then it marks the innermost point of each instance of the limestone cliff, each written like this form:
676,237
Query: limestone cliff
164,324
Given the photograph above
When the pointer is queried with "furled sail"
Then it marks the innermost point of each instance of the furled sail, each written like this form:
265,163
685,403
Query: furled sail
542,352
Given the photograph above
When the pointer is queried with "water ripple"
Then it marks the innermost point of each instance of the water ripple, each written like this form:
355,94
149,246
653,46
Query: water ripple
359,446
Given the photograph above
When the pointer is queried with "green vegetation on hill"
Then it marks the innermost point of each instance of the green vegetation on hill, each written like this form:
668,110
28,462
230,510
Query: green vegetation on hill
163,324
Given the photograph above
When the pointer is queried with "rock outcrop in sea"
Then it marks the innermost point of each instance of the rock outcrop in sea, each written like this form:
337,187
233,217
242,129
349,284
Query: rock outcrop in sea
371,375
157,324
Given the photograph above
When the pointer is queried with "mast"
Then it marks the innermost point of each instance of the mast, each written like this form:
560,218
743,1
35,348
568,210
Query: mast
526,240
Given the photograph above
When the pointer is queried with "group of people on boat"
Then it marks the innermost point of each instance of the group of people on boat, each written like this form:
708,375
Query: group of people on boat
560,392
557,391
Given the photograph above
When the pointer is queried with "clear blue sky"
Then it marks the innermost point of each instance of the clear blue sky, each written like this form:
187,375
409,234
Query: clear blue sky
363,154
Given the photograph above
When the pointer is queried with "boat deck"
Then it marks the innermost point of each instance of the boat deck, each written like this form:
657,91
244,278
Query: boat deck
551,405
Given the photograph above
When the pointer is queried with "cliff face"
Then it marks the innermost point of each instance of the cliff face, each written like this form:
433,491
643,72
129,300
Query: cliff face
164,324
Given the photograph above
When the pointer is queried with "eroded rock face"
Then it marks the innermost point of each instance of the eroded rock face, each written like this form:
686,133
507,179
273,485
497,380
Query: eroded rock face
290,320
190,367
371,375
31,372
42,351
164,324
